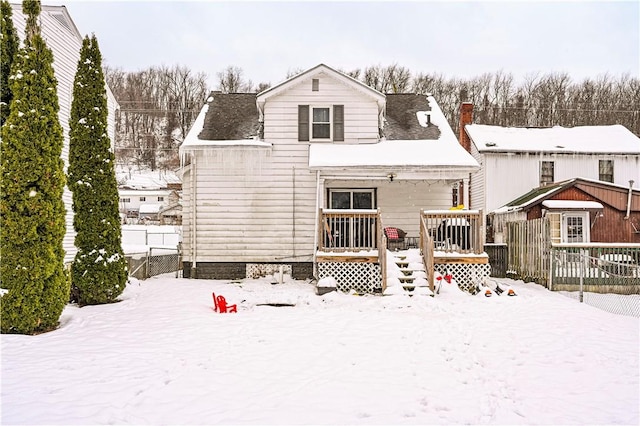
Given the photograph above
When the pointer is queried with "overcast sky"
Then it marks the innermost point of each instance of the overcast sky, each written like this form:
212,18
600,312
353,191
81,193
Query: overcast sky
464,39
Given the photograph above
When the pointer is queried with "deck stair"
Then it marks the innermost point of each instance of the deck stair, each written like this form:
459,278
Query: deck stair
410,272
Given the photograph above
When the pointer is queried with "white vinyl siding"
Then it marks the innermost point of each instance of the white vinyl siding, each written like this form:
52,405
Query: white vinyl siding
258,206
477,183
360,111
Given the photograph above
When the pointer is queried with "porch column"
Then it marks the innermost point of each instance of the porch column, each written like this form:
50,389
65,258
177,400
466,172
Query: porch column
465,193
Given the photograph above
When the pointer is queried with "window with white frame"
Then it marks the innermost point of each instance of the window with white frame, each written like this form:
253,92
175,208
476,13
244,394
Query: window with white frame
575,227
160,198
125,200
605,170
143,198
321,123
546,172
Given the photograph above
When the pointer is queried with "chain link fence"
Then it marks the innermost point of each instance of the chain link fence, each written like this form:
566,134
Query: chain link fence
608,278
158,260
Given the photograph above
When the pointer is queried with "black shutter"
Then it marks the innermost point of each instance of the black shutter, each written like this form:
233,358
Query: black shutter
303,122
338,123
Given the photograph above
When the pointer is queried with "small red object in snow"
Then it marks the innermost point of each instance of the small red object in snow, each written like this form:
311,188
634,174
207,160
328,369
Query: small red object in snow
448,278
220,305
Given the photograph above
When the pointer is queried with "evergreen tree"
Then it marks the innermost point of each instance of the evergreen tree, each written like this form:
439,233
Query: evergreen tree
32,213
8,50
99,270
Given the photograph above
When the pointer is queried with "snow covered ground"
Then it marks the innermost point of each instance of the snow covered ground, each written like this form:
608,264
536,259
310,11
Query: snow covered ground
162,356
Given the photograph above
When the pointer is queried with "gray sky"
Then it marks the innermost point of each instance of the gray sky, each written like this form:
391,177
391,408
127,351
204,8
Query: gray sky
455,38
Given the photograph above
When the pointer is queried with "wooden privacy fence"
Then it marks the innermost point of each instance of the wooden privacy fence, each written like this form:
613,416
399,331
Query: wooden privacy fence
529,244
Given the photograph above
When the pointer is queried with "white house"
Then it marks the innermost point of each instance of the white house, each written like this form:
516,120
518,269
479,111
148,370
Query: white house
65,41
133,201
266,176
514,160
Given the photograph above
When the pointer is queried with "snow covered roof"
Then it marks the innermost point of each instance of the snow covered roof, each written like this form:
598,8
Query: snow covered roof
614,139
441,150
611,194
572,205
145,179
149,208
203,135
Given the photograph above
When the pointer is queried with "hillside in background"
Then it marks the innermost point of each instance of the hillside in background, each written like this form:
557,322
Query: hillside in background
158,105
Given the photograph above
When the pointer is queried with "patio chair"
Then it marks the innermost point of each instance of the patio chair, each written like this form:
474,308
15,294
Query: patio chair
395,238
220,305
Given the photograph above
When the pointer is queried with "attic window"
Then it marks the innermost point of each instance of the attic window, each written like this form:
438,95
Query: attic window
315,85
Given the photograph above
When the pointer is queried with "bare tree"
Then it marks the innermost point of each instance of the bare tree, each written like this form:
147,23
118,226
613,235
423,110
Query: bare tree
230,80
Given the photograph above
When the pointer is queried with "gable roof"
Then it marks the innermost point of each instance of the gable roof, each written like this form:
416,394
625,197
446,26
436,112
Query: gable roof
614,139
312,72
611,194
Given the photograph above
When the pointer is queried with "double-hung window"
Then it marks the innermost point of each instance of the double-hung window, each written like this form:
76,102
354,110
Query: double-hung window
321,123
605,170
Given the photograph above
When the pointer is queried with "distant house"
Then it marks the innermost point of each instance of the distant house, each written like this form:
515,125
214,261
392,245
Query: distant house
312,168
65,41
579,211
136,202
514,160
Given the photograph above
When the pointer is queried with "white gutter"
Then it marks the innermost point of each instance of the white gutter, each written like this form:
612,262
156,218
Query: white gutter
629,200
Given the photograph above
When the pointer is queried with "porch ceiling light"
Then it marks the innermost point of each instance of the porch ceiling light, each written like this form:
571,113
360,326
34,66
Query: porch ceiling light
391,176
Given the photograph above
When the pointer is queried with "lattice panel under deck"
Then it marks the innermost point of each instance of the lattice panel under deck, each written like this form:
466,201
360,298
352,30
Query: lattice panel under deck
362,278
467,275
257,270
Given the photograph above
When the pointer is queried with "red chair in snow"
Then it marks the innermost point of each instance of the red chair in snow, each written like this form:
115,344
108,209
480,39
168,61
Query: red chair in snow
220,305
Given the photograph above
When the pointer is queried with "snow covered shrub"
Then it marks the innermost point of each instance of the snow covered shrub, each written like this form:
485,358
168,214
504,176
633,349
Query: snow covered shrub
32,213
99,270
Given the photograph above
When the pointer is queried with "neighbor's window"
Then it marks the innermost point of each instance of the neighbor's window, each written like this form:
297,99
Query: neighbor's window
546,173
321,125
315,84
605,170
125,200
143,199
160,198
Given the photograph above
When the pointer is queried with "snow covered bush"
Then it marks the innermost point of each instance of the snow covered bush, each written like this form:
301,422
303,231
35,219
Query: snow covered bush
32,213
99,270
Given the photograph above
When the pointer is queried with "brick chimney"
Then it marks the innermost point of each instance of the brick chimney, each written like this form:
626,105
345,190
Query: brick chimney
466,117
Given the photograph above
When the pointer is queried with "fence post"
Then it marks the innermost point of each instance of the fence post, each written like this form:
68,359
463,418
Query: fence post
582,258
148,269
